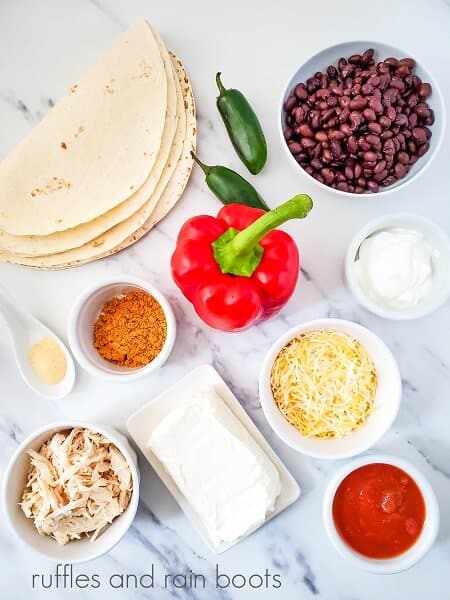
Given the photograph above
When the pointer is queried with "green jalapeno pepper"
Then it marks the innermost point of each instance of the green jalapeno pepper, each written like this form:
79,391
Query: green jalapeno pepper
229,186
243,127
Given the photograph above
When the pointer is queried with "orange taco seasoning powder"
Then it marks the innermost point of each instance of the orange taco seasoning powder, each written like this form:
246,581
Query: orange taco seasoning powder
130,330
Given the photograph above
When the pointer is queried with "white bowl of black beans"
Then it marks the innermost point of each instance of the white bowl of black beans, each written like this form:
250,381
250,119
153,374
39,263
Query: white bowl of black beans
362,118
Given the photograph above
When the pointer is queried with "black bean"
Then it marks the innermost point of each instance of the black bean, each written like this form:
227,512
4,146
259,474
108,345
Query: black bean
430,119
336,134
288,133
355,59
386,135
380,175
332,101
422,149
328,175
390,179
400,170
327,114
295,147
422,110
358,103
363,145
376,105
369,114
367,56
300,91
397,83
408,62
308,143
374,127
323,93
391,61
366,89
332,72
401,120
370,156
402,71
391,113
315,121
420,135
306,131
374,141
348,171
341,63
380,166
290,103
412,120
352,144
321,136
336,149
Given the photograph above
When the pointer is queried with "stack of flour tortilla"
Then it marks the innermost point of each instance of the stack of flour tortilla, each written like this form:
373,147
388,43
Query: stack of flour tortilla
105,164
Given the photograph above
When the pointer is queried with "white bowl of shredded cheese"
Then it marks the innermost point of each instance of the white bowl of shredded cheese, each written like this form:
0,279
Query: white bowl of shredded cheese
76,486
330,388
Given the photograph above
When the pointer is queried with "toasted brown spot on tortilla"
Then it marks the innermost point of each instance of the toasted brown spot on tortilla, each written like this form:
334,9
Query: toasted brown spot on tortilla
79,131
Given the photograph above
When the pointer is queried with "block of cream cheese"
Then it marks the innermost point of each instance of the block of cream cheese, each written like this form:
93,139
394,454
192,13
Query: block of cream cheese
220,469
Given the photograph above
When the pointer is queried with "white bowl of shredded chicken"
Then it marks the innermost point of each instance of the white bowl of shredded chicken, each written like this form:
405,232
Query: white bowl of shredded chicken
330,388
71,490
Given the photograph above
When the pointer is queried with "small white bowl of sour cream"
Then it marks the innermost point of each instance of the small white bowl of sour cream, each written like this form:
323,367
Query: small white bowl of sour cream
430,243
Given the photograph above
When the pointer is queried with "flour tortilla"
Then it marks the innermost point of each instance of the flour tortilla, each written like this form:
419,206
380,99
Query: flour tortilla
77,236
119,237
95,148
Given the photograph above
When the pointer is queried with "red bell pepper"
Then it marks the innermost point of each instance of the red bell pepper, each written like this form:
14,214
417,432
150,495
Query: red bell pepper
237,269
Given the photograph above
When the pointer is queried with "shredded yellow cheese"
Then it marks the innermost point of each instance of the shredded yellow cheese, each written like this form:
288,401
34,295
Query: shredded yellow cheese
324,383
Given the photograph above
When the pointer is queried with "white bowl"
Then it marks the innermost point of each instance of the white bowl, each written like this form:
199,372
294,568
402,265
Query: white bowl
423,543
330,56
386,402
436,238
14,483
84,313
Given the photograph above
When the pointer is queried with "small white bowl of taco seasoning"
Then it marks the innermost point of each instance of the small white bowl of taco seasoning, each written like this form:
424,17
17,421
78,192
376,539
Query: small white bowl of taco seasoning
330,388
397,266
121,328
74,449
380,513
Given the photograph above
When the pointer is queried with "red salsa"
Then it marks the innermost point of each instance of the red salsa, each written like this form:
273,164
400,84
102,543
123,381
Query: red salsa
379,511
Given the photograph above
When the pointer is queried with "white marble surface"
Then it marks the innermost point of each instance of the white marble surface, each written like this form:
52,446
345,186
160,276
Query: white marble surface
45,46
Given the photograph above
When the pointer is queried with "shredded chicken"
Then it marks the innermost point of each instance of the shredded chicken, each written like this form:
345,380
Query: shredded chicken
78,483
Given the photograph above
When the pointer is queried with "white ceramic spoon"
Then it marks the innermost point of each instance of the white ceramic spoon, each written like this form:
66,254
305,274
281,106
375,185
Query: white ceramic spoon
26,330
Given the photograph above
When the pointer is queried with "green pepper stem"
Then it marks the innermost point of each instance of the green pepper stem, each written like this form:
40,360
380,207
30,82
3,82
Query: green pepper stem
220,85
295,208
239,252
205,168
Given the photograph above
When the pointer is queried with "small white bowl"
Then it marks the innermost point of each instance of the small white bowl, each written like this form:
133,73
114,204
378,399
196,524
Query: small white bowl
14,483
330,56
417,551
386,402
84,313
437,240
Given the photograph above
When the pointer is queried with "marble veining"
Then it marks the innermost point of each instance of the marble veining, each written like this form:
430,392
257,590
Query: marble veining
257,45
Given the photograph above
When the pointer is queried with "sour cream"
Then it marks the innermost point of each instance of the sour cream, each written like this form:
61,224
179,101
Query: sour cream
395,267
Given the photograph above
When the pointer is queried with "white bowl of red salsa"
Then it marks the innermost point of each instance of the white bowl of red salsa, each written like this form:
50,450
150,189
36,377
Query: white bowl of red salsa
381,513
